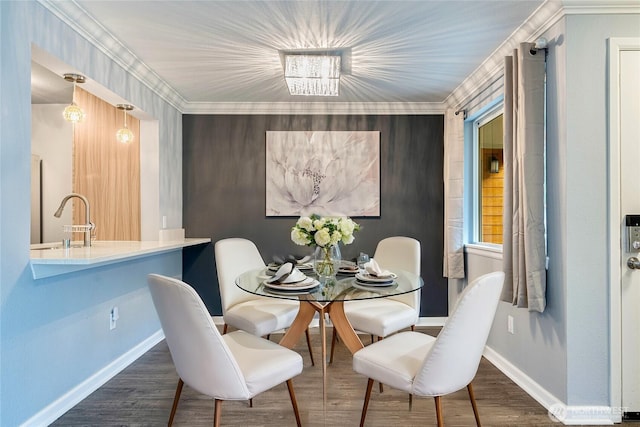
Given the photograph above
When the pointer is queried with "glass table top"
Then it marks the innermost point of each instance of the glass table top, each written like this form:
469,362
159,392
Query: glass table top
343,288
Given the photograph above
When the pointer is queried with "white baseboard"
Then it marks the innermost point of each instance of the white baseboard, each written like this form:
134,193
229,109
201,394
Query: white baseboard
558,411
74,396
431,321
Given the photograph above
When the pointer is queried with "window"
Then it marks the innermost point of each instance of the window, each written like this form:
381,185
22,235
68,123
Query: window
488,177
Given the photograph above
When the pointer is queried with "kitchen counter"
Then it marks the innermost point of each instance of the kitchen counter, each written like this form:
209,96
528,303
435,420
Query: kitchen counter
50,259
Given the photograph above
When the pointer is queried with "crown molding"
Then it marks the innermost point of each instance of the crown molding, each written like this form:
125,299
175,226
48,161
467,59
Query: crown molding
550,12
71,13
543,18
84,24
333,108
602,7
491,68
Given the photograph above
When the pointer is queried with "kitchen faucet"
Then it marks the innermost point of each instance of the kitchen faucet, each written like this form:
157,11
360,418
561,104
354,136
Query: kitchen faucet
89,225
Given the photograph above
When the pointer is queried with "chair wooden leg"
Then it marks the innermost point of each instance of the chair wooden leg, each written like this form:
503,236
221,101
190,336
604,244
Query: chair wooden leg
294,403
473,404
334,340
217,412
413,328
268,337
224,329
410,402
367,396
306,332
176,398
439,411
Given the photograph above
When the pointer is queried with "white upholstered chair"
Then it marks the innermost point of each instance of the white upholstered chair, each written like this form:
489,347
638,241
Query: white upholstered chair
384,316
423,365
234,366
255,314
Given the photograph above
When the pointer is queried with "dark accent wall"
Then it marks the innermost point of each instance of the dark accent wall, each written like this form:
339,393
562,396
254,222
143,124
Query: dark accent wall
224,191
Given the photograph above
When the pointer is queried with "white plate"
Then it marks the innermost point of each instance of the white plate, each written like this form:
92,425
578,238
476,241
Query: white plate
375,284
308,283
347,271
291,292
366,277
263,275
374,288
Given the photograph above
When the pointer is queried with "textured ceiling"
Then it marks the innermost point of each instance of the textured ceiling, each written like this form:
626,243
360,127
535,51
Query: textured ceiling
227,51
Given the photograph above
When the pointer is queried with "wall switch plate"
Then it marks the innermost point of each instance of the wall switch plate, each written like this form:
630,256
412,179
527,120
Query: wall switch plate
510,324
113,318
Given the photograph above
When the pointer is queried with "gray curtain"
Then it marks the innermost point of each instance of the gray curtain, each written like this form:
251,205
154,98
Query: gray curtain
453,262
524,242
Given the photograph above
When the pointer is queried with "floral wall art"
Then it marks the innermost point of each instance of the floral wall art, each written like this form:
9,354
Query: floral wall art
331,173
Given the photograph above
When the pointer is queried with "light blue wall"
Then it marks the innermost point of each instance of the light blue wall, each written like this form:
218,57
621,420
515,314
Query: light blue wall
54,333
587,286
566,349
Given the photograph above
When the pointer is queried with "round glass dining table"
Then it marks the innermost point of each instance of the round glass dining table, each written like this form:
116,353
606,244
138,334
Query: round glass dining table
327,298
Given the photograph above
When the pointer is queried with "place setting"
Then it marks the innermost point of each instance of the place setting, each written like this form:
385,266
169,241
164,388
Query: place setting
348,268
304,263
374,277
288,279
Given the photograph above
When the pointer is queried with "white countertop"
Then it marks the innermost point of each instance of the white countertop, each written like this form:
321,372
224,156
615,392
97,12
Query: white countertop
50,259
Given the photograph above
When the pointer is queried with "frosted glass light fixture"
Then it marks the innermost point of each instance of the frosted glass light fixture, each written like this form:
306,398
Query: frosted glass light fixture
72,113
312,75
124,135
494,166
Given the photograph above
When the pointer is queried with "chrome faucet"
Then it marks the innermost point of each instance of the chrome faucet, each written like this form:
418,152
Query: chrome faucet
87,232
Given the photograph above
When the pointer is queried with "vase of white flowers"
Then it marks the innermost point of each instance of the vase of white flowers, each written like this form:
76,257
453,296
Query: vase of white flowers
324,234
326,262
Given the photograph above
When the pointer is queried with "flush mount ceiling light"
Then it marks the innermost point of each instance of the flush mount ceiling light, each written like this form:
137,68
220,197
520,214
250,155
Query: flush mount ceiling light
72,113
124,135
312,73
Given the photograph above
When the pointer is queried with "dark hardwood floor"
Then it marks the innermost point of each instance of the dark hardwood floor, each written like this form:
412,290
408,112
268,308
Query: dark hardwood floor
142,395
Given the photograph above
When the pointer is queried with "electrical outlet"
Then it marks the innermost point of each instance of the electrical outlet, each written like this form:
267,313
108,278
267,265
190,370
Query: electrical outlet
113,318
510,324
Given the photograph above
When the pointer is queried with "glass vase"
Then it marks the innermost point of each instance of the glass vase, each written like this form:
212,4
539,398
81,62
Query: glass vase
326,261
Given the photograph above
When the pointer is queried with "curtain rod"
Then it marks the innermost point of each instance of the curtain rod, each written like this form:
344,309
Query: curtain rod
540,44
461,106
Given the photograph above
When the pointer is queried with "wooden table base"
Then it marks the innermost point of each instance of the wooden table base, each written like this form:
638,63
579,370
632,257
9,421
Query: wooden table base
335,310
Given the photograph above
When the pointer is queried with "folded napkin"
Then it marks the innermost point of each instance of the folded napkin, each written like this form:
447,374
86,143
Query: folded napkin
348,266
304,260
287,273
278,259
374,269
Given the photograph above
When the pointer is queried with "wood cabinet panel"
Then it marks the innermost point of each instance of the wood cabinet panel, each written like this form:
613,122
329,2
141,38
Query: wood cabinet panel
106,171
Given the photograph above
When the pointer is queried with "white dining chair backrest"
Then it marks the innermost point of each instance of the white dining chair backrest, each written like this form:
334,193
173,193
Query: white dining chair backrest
235,256
399,252
453,360
201,357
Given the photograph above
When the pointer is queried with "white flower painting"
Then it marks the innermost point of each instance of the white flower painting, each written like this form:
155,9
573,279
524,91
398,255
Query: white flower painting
330,173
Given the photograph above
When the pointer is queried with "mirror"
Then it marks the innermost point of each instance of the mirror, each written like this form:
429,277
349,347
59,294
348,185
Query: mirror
84,158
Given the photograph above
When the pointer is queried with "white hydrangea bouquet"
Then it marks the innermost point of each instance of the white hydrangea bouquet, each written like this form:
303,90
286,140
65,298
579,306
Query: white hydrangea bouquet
324,233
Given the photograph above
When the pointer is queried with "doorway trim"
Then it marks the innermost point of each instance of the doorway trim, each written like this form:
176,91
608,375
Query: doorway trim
615,46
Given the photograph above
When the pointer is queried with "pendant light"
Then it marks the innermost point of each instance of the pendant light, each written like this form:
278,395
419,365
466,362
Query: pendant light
72,113
124,135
